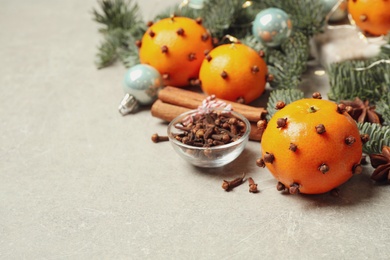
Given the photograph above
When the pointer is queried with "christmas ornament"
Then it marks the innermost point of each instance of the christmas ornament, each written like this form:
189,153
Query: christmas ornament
141,85
196,4
336,9
233,72
371,16
272,26
176,47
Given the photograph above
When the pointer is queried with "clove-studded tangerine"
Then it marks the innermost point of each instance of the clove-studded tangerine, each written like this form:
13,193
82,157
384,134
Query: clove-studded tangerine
176,47
371,16
306,158
233,72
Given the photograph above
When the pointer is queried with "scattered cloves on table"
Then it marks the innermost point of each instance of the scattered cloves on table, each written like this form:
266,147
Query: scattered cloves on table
159,138
229,185
252,186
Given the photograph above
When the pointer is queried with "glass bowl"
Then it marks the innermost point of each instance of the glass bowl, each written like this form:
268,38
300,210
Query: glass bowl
213,156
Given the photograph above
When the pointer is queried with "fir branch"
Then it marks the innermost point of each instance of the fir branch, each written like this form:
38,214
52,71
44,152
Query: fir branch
379,136
289,62
346,82
383,108
372,83
286,95
120,14
385,49
118,44
107,53
223,17
359,78
122,24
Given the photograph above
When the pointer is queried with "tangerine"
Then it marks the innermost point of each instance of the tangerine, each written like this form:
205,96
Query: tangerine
175,47
233,72
311,147
371,16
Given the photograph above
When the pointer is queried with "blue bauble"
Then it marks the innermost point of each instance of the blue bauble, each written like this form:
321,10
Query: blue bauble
272,26
196,4
143,82
340,12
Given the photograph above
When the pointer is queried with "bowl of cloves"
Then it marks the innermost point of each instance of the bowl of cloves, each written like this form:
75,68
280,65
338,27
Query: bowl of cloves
210,138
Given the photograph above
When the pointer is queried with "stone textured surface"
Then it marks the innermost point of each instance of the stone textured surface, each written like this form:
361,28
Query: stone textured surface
79,181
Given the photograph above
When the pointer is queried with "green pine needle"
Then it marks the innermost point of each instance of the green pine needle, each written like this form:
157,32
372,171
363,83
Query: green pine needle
286,95
223,17
383,108
348,82
106,54
367,79
379,137
288,63
121,26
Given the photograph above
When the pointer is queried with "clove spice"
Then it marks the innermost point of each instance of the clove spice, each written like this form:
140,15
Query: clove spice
229,185
252,186
159,138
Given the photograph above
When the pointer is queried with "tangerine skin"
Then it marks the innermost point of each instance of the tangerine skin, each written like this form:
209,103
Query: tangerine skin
237,60
313,149
371,16
175,62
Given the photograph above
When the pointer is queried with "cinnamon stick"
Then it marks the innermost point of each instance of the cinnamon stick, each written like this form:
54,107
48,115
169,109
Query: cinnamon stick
190,99
168,112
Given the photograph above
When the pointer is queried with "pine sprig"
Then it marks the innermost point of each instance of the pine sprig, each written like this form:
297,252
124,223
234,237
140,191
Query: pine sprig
119,14
286,95
361,78
383,108
223,17
121,26
348,82
107,53
379,136
289,62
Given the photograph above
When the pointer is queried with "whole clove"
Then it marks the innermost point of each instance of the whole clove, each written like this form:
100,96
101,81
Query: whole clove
252,186
229,185
159,138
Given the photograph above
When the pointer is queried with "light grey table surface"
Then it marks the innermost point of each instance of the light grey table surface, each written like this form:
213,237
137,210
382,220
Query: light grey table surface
79,181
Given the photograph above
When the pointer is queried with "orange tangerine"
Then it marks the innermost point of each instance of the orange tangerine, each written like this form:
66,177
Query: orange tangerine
310,147
233,72
175,47
371,16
